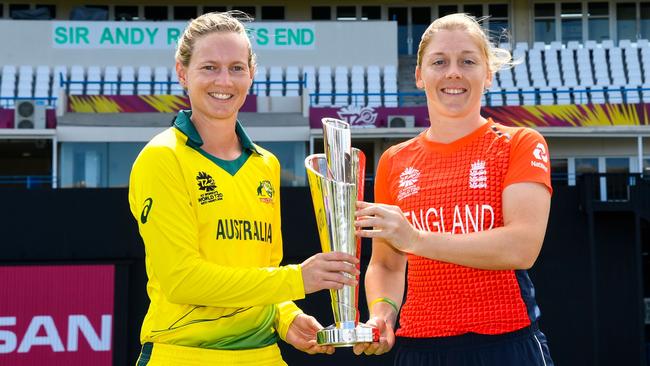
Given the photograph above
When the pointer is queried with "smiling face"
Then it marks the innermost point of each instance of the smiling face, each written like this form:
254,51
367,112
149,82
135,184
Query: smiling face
218,76
453,73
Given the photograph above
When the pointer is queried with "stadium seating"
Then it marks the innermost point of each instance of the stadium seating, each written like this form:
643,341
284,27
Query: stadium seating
276,81
25,81
324,86
42,82
292,79
94,81
144,80
127,78
161,80
111,80
390,86
574,72
78,77
261,79
373,83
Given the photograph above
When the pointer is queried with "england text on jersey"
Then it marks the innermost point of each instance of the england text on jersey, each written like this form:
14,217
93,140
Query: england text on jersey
465,218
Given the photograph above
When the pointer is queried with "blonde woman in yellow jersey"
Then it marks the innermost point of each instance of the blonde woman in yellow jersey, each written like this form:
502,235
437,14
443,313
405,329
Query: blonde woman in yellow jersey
207,204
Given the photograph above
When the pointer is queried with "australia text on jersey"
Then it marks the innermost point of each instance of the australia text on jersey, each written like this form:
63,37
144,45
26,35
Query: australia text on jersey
465,218
239,229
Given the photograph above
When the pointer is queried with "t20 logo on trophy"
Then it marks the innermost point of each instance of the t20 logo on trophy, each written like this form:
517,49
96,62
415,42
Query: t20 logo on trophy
336,181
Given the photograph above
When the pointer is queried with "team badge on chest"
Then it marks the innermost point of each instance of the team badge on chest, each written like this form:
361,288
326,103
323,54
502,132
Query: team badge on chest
265,191
478,175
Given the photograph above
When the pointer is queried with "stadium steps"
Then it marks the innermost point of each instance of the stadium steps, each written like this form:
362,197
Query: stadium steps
406,81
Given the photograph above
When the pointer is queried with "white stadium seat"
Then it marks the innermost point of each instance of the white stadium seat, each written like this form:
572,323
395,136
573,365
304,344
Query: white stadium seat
144,80
161,80
94,80
77,79
341,86
292,79
127,80
276,81
324,86
309,78
111,79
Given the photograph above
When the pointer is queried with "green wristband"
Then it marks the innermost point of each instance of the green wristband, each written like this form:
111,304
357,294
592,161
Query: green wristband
387,301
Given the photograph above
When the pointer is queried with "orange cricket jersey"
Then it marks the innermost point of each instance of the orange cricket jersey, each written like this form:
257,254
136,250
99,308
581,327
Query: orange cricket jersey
457,188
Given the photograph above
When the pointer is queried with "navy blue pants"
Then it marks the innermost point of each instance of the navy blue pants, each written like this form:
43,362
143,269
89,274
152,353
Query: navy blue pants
524,347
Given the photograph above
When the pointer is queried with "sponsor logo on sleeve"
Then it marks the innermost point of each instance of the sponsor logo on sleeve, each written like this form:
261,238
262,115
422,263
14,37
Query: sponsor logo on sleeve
148,203
206,183
541,157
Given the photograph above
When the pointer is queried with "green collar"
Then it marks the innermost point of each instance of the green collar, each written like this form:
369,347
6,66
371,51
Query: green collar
185,125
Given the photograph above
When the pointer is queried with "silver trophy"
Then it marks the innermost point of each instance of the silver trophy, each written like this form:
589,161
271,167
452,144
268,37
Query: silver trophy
336,181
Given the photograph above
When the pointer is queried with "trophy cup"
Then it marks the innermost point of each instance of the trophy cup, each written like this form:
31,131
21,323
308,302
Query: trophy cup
336,181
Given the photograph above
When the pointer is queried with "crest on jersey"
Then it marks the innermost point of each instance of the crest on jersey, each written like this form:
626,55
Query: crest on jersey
408,183
265,191
477,175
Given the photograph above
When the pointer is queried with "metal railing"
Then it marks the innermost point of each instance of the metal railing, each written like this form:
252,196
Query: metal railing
261,87
571,96
10,102
26,181
362,99
165,87
558,96
609,187
116,87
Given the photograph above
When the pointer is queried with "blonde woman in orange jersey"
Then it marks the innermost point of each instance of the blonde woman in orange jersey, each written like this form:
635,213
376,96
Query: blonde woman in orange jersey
465,204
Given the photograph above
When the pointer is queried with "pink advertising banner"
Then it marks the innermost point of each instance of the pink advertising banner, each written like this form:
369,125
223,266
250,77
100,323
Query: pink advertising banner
56,315
572,115
139,103
367,116
7,118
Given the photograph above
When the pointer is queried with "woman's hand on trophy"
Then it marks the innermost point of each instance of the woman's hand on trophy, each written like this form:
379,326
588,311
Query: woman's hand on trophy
302,335
388,223
386,339
330,270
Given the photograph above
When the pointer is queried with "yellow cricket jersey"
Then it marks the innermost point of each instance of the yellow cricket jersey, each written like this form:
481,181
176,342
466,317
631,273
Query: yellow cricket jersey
211,230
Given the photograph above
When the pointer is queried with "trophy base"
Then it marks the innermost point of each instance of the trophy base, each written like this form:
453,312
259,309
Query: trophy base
340,337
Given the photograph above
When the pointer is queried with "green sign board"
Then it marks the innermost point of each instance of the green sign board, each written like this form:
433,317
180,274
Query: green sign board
164,35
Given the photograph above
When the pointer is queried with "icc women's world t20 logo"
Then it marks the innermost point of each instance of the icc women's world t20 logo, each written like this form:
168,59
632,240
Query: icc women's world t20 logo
206,183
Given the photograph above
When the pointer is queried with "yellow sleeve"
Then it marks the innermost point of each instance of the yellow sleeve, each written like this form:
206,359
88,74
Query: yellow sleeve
161,204
287,312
